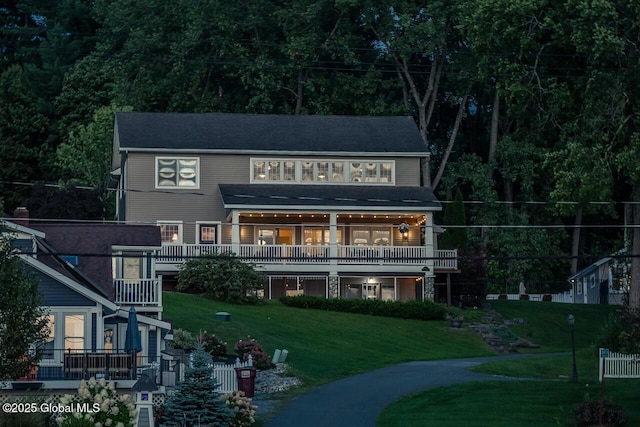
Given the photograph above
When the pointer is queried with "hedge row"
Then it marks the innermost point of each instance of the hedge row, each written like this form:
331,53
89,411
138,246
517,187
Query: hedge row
420,310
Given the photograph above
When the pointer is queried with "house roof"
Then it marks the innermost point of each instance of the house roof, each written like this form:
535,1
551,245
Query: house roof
81,288
93,244
590,269
339,197
263,133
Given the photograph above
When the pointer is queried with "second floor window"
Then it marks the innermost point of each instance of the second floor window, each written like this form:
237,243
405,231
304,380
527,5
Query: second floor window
170,232
322,171
177,172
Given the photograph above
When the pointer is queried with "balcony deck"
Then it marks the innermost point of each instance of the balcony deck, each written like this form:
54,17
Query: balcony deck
83,364
446,260
138,292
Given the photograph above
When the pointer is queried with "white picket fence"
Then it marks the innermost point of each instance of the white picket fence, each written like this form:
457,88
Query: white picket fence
564,297
618,365
225,375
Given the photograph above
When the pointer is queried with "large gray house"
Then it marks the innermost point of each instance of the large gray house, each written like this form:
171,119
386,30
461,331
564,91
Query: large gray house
330,206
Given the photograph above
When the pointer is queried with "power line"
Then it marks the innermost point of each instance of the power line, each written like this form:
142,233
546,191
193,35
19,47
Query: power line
201,193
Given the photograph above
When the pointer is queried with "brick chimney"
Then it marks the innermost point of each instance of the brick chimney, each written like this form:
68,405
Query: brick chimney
21,216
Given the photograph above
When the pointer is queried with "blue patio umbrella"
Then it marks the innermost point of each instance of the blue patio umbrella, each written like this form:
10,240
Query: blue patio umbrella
132,341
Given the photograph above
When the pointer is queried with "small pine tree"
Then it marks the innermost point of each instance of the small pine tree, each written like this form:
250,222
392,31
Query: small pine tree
196,401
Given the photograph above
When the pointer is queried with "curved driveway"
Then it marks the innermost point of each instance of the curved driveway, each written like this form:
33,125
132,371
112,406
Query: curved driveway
359,400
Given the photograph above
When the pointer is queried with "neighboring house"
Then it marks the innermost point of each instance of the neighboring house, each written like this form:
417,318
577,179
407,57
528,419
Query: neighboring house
90,276
603,282
330,206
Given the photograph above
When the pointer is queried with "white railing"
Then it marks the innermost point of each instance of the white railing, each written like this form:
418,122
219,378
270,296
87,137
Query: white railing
562,297
404,255
284,254
618,365
178,253
137,291
225,375
313,254
446,259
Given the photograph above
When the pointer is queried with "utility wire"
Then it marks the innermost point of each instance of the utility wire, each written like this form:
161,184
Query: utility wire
201,193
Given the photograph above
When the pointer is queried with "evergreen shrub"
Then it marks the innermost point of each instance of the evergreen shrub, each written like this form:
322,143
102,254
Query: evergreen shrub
419,310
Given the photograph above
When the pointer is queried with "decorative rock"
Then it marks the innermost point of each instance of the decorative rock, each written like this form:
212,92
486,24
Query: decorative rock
272,380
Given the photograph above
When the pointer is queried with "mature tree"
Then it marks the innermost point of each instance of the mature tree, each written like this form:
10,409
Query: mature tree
454,215
223,278
22,321
195,401
420,40
23,131
85,158
66,202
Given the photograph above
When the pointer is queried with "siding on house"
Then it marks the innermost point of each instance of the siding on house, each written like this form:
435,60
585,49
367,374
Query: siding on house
153,345
205,203
56,294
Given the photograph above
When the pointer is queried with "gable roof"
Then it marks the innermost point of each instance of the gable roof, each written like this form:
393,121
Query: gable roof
341,197
264,133
64,279
590,269
93,245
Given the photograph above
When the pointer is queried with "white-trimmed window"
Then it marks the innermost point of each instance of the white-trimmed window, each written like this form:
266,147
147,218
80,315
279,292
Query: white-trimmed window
131,265
74,332
314,236
207,233
177,172
170,231
69,329
307,171
370,236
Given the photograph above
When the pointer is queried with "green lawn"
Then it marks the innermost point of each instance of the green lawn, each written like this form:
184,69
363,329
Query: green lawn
550,400
324,346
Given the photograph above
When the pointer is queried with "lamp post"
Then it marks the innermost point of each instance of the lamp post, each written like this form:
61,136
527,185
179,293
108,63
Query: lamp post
572,321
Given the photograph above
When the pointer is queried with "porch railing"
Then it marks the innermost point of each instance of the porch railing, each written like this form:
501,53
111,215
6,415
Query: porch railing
313,254
61,364
137,291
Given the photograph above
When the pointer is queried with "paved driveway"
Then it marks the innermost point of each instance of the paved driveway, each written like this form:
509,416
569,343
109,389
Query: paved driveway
359,400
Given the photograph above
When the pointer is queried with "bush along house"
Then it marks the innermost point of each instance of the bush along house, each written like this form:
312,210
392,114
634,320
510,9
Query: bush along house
328,206
101,295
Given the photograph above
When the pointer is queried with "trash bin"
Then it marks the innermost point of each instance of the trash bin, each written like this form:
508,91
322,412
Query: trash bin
246,380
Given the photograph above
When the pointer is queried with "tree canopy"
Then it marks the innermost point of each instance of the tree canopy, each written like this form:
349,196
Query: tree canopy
537,100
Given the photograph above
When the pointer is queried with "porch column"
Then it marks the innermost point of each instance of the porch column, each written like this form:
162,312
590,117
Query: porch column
333,291
428,288
429,252
235,232
333,238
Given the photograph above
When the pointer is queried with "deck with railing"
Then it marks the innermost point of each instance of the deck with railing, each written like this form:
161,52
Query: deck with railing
314,254
138,292
62,364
